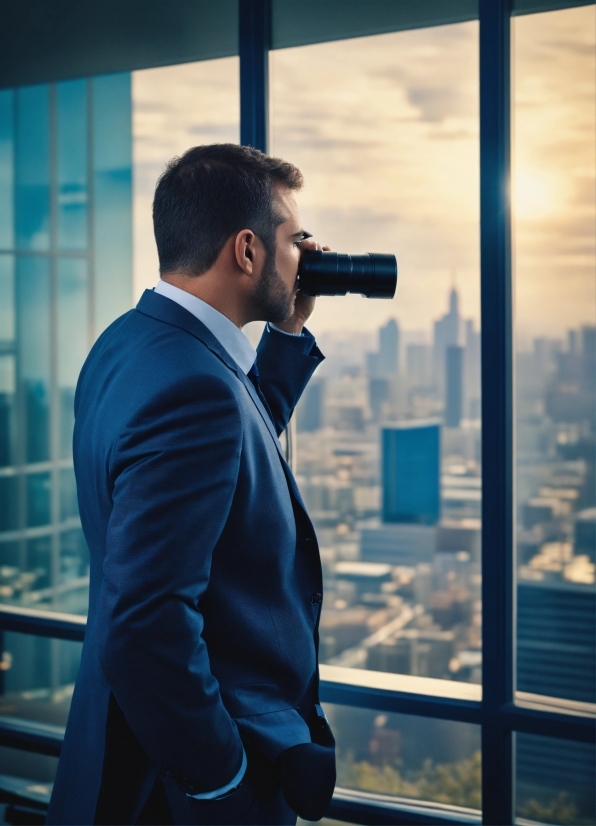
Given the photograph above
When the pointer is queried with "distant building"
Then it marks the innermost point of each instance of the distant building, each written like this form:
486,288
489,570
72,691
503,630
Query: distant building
348,417
454,390
389,348
384,363
585,533
556,639
367,577
455,535
472,372
588,358
309,413
411,472
419,364
399,544
379,392
424,653
448,332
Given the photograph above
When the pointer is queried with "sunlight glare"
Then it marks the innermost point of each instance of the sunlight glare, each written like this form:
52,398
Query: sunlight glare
536,193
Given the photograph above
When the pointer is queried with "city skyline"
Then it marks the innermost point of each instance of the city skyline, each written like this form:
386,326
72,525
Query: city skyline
385,129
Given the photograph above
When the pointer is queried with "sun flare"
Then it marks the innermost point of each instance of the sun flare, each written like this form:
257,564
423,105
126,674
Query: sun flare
536,193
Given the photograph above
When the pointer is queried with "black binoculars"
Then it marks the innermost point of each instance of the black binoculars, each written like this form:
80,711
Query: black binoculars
373,275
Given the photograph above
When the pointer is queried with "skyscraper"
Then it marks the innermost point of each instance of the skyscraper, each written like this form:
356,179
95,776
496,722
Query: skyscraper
411,472
448,331
389,348
454,363
556,639
309,412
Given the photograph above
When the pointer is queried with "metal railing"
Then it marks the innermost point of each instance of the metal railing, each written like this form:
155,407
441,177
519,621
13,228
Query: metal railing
397,693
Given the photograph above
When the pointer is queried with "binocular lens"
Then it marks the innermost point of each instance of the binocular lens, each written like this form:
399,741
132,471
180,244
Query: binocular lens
373,275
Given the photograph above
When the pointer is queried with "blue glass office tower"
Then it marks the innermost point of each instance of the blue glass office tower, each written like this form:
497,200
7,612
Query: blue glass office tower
65,274
411,457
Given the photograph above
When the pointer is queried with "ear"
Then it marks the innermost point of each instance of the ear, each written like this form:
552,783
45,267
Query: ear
244,249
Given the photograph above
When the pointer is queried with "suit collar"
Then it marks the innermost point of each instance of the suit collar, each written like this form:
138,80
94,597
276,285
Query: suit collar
164,309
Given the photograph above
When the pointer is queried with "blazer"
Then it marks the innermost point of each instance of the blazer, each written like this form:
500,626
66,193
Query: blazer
205,577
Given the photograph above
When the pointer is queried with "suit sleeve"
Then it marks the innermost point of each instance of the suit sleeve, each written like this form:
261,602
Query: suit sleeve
174,472
286,364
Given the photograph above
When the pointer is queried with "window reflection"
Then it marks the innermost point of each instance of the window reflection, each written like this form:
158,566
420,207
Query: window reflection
38,499
73,341
32,169
48,317
33,314
7,360
72,164
6,168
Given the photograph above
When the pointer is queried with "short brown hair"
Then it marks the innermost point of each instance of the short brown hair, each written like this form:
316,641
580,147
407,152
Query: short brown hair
211,193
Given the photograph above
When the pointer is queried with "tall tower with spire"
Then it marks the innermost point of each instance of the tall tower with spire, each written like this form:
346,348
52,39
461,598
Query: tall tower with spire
448,332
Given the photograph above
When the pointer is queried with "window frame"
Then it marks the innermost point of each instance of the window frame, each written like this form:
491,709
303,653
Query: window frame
497,708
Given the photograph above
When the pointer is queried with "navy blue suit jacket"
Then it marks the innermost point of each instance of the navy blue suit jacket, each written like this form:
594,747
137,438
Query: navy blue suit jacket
202,629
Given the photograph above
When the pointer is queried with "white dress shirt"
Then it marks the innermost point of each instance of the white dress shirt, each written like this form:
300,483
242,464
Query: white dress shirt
231,338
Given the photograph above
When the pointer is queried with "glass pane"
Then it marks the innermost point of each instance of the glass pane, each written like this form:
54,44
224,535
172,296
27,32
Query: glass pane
39,676
555,201
69,507
7,360
73,340
72,164
6,168
112,165
174,108
36,577
555,780
8,506
33,313
38,768
415,757
32,168
385,130
38,499
72,596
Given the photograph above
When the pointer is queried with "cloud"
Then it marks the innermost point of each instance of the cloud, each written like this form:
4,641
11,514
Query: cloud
385,130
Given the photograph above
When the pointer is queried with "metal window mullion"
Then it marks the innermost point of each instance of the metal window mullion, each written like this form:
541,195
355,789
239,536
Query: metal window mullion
54,392
90,220
497,412
253,48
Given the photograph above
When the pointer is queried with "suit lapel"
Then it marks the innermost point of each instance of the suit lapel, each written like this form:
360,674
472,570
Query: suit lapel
164,309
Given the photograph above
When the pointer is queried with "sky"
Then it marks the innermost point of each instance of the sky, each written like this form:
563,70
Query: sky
385,131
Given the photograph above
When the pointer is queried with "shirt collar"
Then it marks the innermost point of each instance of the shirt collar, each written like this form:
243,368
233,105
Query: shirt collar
225,331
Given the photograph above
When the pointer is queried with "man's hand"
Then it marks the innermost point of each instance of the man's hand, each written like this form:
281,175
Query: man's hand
305,304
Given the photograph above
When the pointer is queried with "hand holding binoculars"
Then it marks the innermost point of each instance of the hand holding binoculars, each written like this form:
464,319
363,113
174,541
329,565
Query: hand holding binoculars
373,275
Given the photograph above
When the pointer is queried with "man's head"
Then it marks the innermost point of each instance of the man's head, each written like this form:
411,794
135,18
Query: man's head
211,193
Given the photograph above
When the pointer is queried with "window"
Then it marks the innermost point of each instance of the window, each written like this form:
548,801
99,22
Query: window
64,275
385,130
556,353
381,107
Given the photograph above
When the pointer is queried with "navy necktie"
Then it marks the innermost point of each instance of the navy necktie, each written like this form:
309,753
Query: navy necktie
253,375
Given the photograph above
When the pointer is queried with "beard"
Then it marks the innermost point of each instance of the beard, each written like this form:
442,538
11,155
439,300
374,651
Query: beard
272,299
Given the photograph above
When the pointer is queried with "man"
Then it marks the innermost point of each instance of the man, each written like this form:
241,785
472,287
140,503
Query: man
196,700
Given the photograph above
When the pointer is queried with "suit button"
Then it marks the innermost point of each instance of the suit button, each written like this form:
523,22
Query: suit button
316,598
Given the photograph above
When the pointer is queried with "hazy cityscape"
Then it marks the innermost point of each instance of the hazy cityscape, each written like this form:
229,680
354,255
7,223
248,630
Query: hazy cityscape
400,542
